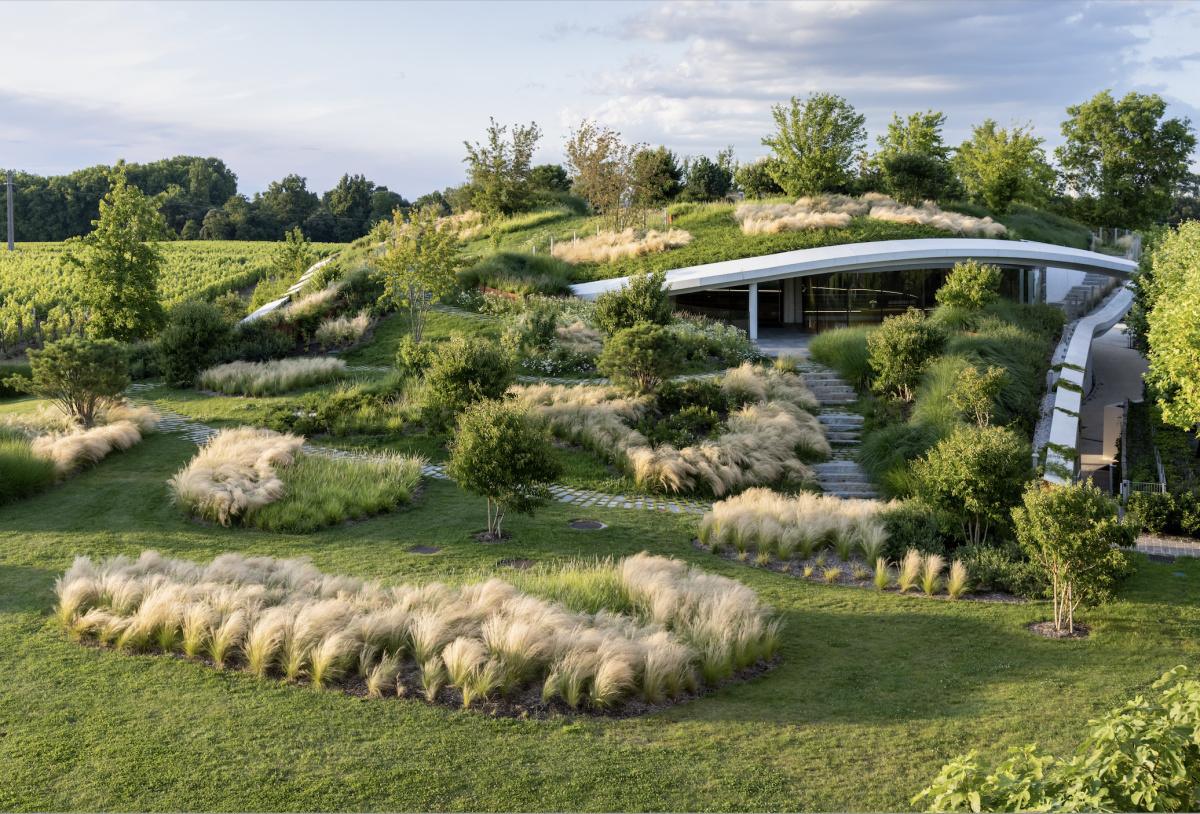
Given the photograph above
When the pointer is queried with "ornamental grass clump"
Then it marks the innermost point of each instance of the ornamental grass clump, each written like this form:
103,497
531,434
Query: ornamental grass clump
71,450
270,378
340,332
606,247
234,473
672,627
931,573
910,571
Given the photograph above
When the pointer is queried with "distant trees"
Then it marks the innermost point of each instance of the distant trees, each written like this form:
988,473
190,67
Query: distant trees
119,265
1123,159
706,179
815,144
499,167
998,166
1173,325
657,177
912,161
756,180
290,202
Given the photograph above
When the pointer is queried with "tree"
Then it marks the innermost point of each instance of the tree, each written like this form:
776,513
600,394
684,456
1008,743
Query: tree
499,169
601,167
383,203
289,201
78,375
463,371
975,392
640,357
912,178
708,180
918,134
549,178
973,476
197,336
815,144
1173,322
900,349
656,177
1123,160
999,166
643,298
119,265
350,204
501,453
756,179
293,256
418,264
1072,532
970,285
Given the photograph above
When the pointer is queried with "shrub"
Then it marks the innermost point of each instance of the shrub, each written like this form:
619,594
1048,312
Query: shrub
1141,756
1073,532
22,474
640,357
644,298
498,452
261,340
80,376
519,273
970,286
197,336
1003,568
900,350
412,357
10,370
463,370
976,393
270,378
910,524
845,350
669,628
1152,511
973,476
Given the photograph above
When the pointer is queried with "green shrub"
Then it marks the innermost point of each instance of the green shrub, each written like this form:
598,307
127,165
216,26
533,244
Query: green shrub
970,285
196,337
1188,505
674,396
22,474
499,452
361,289
1142,756
10,369
1003,568
520,273
262,340
1152,511
688,426
79,375
412,357
640,357
911,524
845,350
464,370
143,360
644,298
973,477
887,453
900,350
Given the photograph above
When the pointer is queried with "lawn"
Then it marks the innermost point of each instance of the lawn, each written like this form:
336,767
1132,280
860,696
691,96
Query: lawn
872,694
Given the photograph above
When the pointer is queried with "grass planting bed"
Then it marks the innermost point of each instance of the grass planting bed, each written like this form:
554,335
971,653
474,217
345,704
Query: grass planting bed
872,692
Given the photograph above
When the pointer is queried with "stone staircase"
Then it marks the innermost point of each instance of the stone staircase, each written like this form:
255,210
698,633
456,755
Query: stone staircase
841,475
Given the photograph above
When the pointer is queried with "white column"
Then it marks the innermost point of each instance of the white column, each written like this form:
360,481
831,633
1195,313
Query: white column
753,327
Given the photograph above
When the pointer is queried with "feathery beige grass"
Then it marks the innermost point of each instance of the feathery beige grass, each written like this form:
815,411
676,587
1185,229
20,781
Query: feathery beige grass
71,450
929,214
338,332
790,525
762,442
270,378
676,627
235,472
579,337
606,247
836,211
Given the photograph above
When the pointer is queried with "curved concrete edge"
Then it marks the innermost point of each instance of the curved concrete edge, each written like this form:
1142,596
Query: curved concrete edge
287,295
1068,401
879,255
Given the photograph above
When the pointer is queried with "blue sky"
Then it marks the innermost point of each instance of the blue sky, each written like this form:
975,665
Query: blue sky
392,90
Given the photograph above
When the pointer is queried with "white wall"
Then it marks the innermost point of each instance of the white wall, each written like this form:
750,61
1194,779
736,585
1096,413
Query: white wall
1060,281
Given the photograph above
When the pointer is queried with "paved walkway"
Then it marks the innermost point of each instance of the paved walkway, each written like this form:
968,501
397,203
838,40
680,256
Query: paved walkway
1117,372
1168,546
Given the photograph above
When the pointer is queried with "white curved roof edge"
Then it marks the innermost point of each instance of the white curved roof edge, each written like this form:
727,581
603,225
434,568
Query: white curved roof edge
879,255
1064,424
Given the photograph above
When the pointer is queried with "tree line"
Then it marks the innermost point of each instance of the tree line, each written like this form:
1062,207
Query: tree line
1123,163
198,199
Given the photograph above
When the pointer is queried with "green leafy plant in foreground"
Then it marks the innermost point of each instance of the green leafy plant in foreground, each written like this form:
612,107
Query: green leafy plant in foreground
1143,756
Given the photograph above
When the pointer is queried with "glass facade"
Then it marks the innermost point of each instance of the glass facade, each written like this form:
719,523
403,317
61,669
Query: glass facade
825,301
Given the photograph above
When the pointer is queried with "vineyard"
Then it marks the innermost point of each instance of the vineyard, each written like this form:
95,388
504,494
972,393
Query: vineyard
38,298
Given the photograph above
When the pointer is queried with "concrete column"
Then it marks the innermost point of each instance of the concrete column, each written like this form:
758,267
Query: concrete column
753,321
789,301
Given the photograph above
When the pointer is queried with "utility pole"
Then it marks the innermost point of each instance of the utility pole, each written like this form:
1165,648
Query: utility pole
8,197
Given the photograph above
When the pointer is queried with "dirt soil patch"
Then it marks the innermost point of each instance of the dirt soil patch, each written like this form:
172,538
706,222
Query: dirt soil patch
1046,630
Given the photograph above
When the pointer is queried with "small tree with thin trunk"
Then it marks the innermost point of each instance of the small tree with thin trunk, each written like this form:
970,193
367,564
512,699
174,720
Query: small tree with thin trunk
503,454
1073,534
420,259
970,285
78,375
975,393
973,477
900,350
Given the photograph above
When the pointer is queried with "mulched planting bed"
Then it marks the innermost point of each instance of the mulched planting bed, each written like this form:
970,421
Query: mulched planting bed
582,524
1046,630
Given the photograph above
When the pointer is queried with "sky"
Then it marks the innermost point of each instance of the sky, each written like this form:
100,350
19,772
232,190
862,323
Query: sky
391,90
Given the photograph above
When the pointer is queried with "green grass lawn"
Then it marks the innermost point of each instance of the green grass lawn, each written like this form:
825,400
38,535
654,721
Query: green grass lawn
873,692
